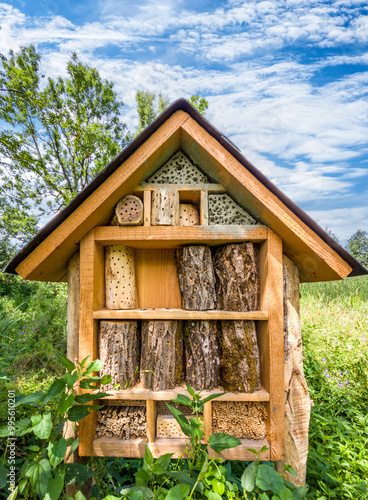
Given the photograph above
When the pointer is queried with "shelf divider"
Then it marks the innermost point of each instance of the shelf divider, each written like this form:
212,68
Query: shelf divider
172,314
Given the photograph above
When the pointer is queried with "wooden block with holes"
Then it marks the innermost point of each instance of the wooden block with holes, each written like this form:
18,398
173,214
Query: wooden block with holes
120,278
168,427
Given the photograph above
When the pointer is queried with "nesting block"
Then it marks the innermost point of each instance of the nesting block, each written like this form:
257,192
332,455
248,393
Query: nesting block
239,361
237,277
242,419
165,207
178,170
196,278
188,215
129,211
168,427
125,422
223,210
120,278
162,355
118,346
202,354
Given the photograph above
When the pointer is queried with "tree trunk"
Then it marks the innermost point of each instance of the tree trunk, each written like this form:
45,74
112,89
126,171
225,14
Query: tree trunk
162,354
129,211
165,207
119,351
196,278
297,400
239,361
237,277
120,278
202,354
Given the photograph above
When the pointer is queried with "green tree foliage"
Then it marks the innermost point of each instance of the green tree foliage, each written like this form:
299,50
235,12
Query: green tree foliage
149,106
200,103
357,245
56,137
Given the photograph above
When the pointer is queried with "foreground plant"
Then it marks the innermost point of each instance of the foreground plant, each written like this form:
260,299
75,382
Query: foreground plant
43,472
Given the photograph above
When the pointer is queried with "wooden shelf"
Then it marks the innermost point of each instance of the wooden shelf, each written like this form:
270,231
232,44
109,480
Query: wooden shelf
134,448
147,394
178,236
172,314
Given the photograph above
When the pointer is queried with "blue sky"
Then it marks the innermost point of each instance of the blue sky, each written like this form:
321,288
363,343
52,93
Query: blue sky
285,80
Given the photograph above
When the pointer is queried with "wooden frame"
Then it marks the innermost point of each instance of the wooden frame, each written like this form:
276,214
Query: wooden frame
270,333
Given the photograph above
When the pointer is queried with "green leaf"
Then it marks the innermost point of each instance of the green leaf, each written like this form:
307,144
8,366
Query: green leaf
213,396
290,469
73,446
22,485
66,401
79,473
86,398
218,487
181,419
3,477
163,462
77,413
300,492
263,496
79,496
105,379
55,485
268,479
69,365
248,479
182,477
42,425
70,379
35,397
142,477
211,495
39,473
85,360
178,492
190,390
95,366
183,400
13,495
220,441
56,388
56,452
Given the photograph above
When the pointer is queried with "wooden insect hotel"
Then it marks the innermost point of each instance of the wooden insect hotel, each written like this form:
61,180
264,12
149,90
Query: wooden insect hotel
183,264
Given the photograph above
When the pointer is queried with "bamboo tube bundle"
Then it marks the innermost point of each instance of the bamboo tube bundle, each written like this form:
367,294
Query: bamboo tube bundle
241,419
125,422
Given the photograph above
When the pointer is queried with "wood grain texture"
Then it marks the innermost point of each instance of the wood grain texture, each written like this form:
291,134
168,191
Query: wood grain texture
210,188
188,215
72,346
48,261
129,211
204,208
316,260
157,279
207,420
151,420
271,341
165,207
120,277
147,200
179,314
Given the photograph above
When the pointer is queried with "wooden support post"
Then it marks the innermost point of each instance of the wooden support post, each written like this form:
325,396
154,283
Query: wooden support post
271,340
204,209
72,343
297,400
120,278
151,420
147,208
207,420
165,207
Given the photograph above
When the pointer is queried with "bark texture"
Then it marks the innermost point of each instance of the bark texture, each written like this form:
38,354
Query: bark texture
120,278
165,207
237,277
129,211
297,400
162,354
196,278
239,361
119,351
202,354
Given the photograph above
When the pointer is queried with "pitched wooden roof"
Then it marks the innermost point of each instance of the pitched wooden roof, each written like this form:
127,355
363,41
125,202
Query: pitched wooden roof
181,127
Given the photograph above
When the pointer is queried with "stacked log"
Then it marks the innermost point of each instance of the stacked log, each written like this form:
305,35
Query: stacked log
124,422
242,419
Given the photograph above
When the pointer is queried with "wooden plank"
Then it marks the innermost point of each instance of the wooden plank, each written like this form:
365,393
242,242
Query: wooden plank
151,420
176,236
271,340
172,314
115,447
147,196
91,296
72,345
157,279
146,394
210,188
207,420
48,261
204,209
316,260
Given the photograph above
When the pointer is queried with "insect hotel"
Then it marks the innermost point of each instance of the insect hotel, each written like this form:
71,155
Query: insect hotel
183,264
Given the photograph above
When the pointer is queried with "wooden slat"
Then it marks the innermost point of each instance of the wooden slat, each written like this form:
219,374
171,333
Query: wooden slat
146,394
115,447
316,260
48,261
157,279
271,340
204,209
176,236
207,420
151,420
210,188
147,196
168,314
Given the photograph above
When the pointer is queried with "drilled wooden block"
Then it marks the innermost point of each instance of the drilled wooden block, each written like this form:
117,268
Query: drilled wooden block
120,278
168,427
178,170
129,211
188,215
223,210
165,207
246,420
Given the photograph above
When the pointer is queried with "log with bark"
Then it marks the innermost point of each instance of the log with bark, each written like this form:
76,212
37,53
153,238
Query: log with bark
162,355
119,351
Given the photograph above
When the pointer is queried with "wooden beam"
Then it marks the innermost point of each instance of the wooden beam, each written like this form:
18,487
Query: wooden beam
316,260
271,340
151,420
176,236
147,196
207,420
210,188
48,261
203,213
172,314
